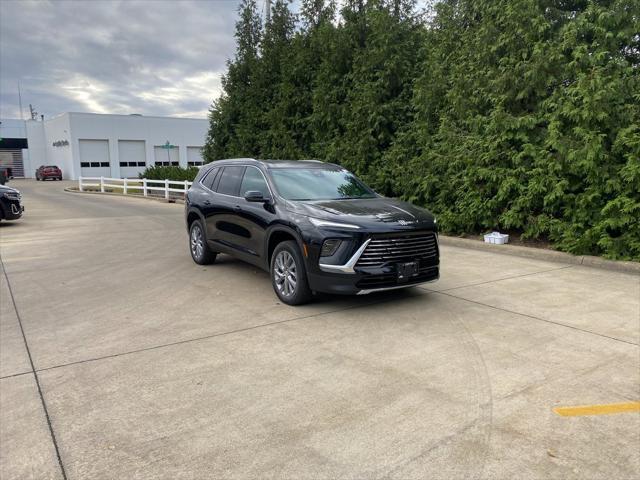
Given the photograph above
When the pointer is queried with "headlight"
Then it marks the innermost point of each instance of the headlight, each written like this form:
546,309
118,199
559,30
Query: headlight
329,247
325,223
12,195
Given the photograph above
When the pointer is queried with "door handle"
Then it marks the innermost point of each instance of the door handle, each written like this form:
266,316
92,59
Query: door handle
237,208
207,202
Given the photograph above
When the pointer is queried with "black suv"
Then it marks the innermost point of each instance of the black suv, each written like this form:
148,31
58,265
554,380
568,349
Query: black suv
314,226
10,203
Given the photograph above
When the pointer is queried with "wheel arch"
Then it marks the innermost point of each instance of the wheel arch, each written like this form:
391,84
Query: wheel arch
192,215
278,234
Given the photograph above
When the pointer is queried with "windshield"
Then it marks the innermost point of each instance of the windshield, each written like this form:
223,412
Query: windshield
318,184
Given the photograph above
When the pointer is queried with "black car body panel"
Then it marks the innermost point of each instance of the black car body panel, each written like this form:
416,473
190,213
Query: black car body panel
10,203
395,242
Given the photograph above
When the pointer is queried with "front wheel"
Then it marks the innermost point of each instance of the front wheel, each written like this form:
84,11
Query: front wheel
288,274
200,251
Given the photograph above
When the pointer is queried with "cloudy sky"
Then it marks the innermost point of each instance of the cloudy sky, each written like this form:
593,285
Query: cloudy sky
154,57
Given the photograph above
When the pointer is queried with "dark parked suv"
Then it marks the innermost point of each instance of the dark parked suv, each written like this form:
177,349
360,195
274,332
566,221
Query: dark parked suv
314,226
10,203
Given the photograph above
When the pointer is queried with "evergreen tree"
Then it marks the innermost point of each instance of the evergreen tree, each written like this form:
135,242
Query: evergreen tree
232,130
276,50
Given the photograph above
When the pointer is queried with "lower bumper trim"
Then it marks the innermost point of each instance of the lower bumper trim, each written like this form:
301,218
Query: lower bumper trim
395,287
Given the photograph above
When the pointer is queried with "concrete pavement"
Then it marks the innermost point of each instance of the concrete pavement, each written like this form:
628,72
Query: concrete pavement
150,366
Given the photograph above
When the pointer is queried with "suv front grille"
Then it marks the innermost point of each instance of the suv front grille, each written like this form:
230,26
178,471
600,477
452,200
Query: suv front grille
399,248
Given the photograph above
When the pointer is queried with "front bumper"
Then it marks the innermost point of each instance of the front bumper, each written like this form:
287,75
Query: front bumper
369,262
11,209
375,280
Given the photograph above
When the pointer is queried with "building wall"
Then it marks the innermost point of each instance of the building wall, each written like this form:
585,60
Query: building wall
153,131
12,128
37,148
73,127
41,137
57,130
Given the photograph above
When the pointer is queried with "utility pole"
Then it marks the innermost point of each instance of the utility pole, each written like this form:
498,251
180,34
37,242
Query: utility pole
268,12
34,114
20,102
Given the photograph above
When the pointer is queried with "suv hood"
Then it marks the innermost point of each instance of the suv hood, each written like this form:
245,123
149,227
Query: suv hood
4,188
379,213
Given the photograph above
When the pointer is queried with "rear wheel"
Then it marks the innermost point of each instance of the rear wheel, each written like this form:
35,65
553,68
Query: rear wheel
200,251
289,275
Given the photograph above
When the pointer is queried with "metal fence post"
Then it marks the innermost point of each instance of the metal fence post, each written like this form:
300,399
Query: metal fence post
186,187
101,184
124,186
166,189
80,184
144,187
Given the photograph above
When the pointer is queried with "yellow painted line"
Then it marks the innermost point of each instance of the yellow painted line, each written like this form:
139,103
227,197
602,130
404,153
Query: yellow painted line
598,409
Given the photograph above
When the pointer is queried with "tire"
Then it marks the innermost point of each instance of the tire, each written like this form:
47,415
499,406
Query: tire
289,274
200,251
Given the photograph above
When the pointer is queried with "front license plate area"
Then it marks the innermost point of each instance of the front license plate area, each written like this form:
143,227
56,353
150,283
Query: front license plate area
407,270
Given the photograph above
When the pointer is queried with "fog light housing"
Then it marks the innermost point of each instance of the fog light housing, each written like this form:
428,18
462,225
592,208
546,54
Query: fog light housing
329,247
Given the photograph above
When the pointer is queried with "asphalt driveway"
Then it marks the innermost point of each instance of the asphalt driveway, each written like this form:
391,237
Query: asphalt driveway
121,358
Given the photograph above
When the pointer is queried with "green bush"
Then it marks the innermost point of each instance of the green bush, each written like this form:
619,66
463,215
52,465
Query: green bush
158,172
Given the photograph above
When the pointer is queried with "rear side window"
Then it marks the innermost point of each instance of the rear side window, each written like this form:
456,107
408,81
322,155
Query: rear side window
230,179
253,180
210,178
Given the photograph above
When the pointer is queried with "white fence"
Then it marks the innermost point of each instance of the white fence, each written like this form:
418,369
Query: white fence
135,186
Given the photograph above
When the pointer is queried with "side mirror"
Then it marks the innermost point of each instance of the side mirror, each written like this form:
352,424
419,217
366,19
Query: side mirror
255,196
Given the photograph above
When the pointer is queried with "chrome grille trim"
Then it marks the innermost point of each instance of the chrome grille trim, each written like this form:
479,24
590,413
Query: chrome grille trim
401,248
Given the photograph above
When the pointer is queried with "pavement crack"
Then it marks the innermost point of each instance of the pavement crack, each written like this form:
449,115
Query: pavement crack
533,317
213,335
16,375
503,279
35,373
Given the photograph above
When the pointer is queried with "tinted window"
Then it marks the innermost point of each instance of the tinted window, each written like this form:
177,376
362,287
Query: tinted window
210,178
230,180
253,180
318,184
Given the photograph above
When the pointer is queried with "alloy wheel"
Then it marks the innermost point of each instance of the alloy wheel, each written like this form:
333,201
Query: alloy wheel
285,274
197,242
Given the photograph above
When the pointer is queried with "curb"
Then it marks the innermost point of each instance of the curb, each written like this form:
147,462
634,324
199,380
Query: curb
157,199
526,252
543,254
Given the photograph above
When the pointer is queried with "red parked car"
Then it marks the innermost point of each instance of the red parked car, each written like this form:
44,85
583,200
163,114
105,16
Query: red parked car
48,171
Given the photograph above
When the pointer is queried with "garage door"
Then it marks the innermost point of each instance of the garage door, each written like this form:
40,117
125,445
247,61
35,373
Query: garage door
166,156
194,156
132,158
94,158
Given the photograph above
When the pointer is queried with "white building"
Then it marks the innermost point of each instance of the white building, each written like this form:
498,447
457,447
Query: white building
93,145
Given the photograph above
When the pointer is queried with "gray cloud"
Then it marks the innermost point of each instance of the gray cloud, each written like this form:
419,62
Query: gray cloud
155,57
